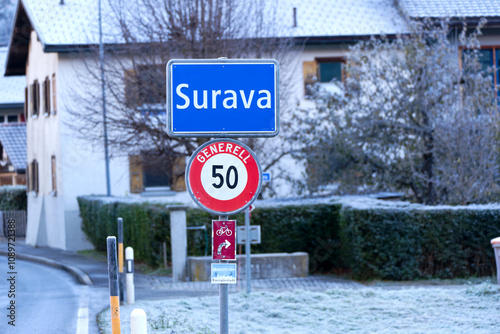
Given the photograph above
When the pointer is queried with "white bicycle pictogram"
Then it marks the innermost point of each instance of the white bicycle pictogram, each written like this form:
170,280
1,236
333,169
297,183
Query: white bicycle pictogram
224,230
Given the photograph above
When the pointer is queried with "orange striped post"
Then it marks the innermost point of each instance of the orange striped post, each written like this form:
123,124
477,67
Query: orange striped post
113,285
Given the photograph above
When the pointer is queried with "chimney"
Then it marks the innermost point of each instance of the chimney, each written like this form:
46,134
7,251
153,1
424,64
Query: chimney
294,17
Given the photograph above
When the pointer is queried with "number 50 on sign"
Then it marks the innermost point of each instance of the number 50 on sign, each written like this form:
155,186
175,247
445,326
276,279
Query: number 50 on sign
223,176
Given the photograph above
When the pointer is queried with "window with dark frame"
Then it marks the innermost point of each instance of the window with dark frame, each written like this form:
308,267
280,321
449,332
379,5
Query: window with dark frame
35,98
490,57
34,176
145,85
330,69
46,97
323,70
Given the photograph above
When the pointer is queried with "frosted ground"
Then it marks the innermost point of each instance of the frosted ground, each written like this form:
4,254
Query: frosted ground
454,309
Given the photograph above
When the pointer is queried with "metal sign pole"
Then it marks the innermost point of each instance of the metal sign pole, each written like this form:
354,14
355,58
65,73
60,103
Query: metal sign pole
248,267
224,301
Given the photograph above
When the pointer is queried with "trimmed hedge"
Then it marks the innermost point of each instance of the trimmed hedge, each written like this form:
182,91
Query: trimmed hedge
311,229
386,243
13,198
419,243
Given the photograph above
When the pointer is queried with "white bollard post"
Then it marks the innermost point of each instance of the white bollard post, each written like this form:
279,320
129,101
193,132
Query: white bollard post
496,247
138,321
129,257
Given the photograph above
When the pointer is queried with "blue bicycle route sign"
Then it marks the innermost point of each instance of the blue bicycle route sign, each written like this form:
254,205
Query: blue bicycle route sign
223,98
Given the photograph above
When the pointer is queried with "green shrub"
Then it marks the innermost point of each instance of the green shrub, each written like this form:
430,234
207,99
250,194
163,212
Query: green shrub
312,229
419,243
13,198
386,242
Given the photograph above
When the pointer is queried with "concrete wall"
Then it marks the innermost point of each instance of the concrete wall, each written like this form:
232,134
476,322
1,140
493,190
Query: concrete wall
274,265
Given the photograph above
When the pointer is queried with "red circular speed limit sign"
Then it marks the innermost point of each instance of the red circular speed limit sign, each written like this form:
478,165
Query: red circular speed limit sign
223,176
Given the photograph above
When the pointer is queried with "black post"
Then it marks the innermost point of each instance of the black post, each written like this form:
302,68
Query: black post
120,260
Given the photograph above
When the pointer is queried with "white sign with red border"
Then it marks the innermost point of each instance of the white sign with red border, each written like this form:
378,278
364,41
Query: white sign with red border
224,176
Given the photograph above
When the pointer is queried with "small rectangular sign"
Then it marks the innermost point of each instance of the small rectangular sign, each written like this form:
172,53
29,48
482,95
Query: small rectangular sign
224,239
266,177
223,273
254,234
223,98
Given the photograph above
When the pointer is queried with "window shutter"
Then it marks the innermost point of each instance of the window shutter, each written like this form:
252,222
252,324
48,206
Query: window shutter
54,169
26,101
32,99
28,178
54,96
37,97
46,96
136,177
178,172
310,70
36,184
131,88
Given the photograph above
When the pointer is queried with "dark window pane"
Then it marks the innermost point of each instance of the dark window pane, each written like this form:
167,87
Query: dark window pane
12,118
145,85
329,71
155,178
2,118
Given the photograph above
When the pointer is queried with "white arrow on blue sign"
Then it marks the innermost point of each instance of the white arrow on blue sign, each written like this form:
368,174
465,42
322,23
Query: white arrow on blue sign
223,98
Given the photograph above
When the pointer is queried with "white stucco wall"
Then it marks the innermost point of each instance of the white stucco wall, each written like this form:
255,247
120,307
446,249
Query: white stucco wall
45,211
53,219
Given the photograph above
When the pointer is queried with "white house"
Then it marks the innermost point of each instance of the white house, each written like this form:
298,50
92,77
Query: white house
47,32
12,128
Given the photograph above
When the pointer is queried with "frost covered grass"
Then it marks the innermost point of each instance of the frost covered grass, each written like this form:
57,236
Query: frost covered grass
451,309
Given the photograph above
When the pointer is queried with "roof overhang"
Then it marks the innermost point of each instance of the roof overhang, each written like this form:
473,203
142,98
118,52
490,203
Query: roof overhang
12,105
19,43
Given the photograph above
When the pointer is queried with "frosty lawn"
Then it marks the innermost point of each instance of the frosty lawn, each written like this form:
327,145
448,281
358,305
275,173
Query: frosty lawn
446,309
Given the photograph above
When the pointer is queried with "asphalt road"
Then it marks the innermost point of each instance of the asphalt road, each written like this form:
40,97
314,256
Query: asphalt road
47,300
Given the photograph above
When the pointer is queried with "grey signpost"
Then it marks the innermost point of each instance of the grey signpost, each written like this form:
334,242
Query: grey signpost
223,98
248,264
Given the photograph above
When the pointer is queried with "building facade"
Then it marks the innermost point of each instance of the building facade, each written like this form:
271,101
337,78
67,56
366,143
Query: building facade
46,47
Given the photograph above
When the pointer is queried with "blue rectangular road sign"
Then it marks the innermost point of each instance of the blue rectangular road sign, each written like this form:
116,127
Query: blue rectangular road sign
223,273
223,98
266,177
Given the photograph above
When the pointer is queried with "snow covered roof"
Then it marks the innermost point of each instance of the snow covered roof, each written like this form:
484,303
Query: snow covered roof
337,18
13,139
76,21
451,8
11,88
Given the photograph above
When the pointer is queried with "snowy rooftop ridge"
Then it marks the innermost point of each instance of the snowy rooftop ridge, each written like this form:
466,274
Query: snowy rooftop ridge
451,8
11,88
76,21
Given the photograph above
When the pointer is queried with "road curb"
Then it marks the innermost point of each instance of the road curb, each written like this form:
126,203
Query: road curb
80,276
